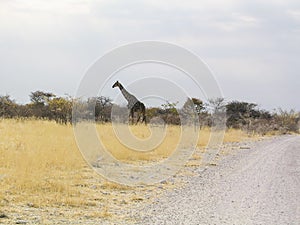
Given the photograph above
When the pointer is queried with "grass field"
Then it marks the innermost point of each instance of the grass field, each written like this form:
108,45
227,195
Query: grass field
41,166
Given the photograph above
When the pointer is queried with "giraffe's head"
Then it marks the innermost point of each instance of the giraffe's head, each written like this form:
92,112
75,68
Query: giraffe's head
117,84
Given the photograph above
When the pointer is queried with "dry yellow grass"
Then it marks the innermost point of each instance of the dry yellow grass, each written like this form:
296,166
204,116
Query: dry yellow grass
40,164
121,152
39,161
165,149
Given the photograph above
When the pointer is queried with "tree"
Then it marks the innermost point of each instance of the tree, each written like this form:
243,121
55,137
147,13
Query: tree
217,113
191,111
100,107
40,104
216,105
240,114
103,108
40,97
7,107
169,113
193,104
199,106
60,109
287,121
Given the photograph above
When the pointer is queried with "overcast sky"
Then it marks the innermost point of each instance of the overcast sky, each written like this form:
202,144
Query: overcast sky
253,47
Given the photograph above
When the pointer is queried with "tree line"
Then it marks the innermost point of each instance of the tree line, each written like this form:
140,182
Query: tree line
240,115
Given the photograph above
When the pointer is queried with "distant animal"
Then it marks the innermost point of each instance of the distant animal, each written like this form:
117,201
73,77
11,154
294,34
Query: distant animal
134,105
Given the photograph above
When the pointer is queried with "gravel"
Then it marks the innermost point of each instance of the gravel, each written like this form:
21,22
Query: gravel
259,184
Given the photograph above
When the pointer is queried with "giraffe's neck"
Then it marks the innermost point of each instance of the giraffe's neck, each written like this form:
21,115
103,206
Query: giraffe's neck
131,99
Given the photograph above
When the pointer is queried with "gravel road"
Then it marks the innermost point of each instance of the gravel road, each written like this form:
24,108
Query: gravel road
260,185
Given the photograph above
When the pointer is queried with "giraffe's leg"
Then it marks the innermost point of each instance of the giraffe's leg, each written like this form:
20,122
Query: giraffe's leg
138,118
144,119
144,114
132,117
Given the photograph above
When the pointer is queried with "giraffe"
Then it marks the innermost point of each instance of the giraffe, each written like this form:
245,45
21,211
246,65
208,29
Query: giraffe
134,105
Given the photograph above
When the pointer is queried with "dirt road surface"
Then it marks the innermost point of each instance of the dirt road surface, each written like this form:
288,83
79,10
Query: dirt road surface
260,185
